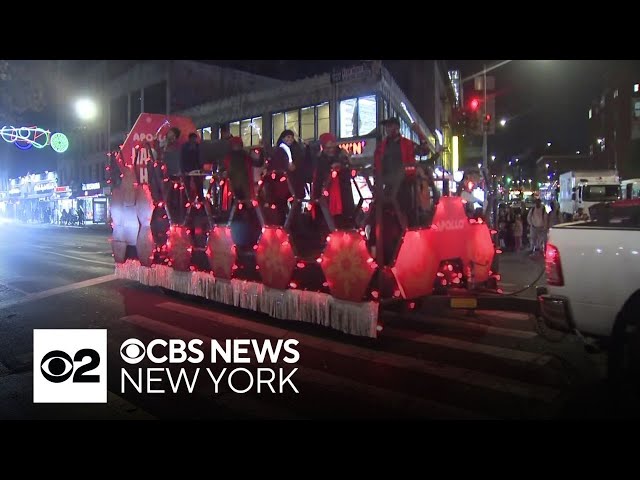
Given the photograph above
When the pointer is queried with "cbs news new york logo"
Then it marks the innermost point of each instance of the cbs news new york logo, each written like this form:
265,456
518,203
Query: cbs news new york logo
69,366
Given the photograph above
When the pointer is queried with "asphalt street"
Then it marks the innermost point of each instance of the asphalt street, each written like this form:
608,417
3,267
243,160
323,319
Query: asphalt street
426,365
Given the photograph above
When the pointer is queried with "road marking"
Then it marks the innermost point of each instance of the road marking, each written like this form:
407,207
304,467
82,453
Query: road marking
243,403
417,406
109,264
58,290
453,343
436,369
8,285
474,326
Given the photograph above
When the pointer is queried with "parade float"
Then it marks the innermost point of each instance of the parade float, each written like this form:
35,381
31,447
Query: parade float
227,251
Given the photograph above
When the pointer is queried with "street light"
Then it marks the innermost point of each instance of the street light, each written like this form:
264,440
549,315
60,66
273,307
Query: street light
86,109
548,144
493,158
503,122
577,152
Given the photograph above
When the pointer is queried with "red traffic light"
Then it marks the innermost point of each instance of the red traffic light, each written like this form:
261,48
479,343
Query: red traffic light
474,104
487,118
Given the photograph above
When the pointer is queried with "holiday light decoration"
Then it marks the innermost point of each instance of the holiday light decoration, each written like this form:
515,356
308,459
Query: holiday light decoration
25,138
59,142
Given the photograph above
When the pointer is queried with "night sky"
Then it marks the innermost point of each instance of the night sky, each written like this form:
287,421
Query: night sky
545,100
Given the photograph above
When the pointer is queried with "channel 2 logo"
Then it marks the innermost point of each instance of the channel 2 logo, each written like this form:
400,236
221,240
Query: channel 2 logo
69,366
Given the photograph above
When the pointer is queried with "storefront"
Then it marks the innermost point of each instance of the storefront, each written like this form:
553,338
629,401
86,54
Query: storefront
93,202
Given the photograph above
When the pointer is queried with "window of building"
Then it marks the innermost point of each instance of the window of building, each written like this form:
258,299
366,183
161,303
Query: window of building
385,109
636,109
256,131
245,131
308,123
234,128
206,133
615,93
590,113
292,121
136,106
323,118
277,124
405,130
636,88
358,116
155,98
249,129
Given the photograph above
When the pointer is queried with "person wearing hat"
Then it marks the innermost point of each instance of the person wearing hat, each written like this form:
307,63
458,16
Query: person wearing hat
237,167
333,159
394,156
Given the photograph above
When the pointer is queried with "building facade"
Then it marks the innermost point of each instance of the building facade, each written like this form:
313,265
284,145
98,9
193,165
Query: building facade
614,122
122,90
349,103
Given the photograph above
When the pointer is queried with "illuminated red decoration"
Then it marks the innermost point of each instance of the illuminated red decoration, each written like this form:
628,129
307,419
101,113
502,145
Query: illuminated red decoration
128,187
221,252
144,205
353,148
145,246
450,235
147,128
480,251
347,265
416,265
179,244
275,257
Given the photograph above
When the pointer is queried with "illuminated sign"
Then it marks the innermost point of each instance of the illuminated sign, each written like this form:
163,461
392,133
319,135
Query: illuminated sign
62,189
91,186
353,148
13,191
42,187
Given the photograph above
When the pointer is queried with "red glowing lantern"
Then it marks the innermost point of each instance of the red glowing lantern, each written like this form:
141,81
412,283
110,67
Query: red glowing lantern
416,265
221,252
275,258
179,243
346,265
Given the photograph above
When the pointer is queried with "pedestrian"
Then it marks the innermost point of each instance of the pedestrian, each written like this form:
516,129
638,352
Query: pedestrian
537,219
518,230
80,215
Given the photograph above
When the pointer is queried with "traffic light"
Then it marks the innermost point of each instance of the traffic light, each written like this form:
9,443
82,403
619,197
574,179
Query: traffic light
474,104
487,119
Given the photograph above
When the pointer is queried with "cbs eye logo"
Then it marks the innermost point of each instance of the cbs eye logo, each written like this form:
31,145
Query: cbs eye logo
132,351
56,366
70,366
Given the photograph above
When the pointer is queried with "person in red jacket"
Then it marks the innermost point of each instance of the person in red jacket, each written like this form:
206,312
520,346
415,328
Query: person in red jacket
395,163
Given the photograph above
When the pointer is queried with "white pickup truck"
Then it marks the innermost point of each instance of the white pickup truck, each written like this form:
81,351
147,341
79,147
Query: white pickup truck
593,278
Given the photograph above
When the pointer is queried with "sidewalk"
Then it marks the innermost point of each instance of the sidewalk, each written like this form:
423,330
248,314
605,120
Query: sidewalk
519,270
87,226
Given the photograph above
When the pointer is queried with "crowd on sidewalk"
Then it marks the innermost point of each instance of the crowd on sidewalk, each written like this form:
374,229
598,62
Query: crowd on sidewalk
53,216
520,227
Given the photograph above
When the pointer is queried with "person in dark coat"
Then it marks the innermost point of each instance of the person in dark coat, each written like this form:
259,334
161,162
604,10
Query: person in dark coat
333,173
237,167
